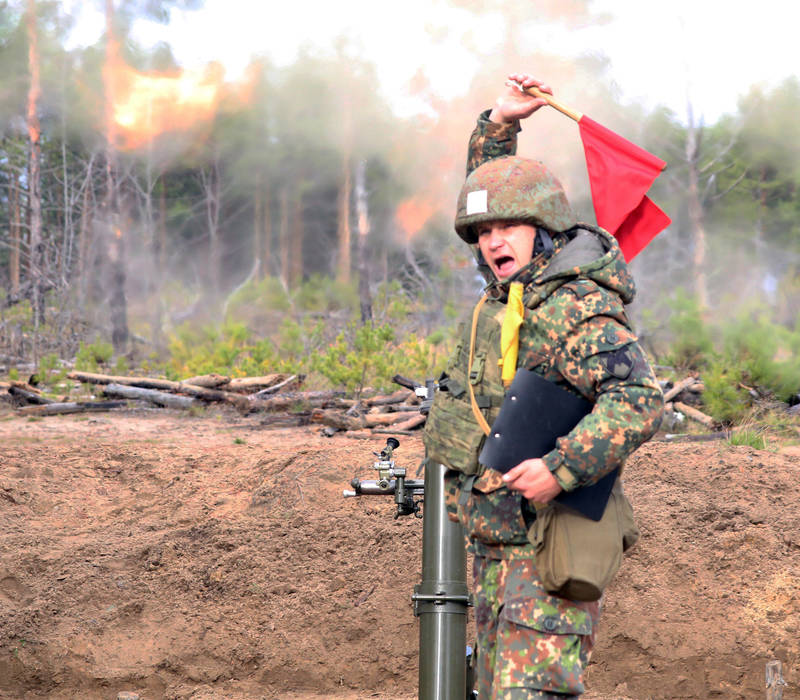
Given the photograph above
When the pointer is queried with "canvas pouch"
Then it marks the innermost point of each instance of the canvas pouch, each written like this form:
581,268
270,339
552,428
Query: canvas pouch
576,557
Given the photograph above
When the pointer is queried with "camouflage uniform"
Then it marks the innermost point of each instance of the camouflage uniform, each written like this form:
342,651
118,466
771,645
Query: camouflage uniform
576,334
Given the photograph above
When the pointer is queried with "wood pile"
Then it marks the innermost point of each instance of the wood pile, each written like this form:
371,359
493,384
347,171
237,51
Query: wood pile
281,395
397,412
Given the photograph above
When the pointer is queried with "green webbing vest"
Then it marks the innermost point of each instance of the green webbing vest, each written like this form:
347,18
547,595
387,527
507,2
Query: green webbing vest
452,436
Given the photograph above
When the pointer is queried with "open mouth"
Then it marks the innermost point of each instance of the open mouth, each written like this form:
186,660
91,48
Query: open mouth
505,265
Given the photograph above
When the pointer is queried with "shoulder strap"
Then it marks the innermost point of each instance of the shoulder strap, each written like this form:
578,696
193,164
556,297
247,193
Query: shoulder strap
475,410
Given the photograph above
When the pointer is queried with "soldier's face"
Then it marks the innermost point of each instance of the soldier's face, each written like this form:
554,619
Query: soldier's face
507,246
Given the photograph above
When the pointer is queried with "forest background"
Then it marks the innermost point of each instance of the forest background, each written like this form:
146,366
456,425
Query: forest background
163,220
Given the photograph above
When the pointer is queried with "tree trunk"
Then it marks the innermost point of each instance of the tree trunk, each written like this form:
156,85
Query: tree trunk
284,237
84,245
266,231
364,295
34,174
115,242
343,232
695,206
14,231
211,186
296,243
258,240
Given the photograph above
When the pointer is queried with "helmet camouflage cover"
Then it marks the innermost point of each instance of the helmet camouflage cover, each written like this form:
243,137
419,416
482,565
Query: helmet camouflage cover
512,189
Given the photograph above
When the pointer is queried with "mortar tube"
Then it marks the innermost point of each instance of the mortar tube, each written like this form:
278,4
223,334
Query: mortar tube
441,599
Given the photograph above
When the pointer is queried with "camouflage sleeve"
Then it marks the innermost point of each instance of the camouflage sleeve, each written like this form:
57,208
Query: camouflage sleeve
491,140
603,361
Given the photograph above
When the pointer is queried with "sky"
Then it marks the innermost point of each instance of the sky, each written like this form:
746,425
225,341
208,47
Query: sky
709,51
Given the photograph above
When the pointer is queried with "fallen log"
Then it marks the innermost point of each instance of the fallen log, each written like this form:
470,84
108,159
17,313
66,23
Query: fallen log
406,382
290,400
388,431
54,409
275,387
248,385
338,420
241,402
398,396
679,387
207,381
33,397
689,437
159,398
373,419
693,413
411,423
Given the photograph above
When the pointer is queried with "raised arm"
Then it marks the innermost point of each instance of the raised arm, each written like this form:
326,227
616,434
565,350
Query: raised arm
495,134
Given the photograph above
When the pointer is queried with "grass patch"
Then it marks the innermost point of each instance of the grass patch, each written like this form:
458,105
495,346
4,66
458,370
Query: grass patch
750,437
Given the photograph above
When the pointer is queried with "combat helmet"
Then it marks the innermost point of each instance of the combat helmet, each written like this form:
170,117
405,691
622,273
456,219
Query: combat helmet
512,189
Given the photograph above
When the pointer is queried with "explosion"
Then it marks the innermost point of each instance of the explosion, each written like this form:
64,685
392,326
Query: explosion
143,106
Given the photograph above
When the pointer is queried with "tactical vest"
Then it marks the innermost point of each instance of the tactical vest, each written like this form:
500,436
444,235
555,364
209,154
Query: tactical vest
452,436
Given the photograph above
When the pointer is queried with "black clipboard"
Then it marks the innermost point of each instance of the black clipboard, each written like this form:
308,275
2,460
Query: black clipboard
534,414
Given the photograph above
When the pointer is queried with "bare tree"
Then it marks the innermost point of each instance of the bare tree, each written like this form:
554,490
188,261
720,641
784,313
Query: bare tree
362,211
34,173
113,233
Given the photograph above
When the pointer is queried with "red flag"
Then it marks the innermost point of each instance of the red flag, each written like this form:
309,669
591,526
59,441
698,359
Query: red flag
620,173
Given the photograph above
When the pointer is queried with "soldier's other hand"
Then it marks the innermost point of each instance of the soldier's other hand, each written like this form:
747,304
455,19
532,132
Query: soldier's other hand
514,105
533,479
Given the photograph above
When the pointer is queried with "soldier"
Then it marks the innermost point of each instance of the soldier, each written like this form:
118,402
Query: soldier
574,284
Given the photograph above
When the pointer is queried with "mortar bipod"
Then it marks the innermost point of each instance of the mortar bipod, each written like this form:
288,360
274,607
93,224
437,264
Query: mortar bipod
408,493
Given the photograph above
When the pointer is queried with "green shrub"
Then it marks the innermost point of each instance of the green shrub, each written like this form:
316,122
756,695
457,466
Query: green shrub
766,352
692,343
90,357
723,398
231,349
50,372
371,354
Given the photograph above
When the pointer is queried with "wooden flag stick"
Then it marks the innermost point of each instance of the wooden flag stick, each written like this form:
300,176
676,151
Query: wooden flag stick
555,104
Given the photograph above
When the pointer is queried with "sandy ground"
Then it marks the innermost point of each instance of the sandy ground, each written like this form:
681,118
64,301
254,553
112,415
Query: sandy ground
213,557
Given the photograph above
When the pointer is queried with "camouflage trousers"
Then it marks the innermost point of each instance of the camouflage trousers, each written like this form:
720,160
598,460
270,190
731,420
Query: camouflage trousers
530,645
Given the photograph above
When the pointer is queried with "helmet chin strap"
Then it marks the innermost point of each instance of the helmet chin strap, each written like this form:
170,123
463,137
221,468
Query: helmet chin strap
543,243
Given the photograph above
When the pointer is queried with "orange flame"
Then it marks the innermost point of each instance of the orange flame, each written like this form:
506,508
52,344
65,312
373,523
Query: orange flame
144,106
413,214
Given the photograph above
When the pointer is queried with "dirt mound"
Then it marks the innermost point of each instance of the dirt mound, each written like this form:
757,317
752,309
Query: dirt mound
211,557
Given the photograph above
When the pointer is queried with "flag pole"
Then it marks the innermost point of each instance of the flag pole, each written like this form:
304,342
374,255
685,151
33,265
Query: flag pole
555,104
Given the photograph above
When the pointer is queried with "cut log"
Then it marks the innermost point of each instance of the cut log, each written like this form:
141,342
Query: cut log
336,419
207,381
679,387
302,400
406,382
159,398
411,423
398,396
295,380
693,413
25,386
241,402
389,431
373,419
688,437
248,385
53,409
33,397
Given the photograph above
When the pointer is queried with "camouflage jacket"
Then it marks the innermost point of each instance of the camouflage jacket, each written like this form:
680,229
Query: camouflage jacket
575,333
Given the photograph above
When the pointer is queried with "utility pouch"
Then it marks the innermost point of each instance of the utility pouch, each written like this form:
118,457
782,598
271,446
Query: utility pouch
451,435
576,557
